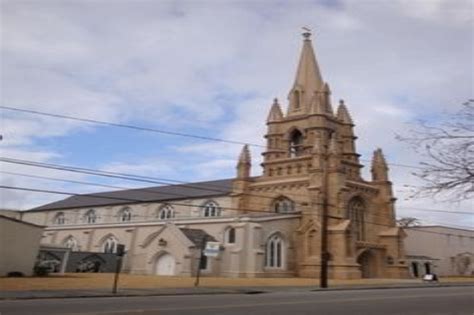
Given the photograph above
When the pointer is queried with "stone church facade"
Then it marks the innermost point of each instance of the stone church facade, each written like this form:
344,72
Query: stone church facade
267,226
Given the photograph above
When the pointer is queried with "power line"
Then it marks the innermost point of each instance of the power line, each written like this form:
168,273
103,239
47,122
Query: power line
123,176
115,198
154,180
128,199
160,131
111,124
165,202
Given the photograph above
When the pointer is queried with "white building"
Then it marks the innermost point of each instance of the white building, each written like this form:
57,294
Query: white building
443,250
19,245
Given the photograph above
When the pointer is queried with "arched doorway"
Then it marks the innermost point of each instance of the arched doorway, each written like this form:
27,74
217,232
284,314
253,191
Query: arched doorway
367,263
165,265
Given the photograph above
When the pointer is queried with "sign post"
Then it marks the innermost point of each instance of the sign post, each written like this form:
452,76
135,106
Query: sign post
208,249
119,254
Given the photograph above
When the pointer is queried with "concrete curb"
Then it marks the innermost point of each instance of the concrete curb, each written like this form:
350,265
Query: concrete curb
41,295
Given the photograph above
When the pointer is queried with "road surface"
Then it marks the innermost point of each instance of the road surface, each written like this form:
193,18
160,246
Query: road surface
419,301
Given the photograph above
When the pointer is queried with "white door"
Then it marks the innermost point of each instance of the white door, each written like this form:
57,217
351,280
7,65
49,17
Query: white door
165,265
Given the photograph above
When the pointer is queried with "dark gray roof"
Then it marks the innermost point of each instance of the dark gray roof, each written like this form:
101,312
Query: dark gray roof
198,237
150,194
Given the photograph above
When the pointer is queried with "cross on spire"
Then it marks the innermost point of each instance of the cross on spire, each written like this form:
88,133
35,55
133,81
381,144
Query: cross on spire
307,32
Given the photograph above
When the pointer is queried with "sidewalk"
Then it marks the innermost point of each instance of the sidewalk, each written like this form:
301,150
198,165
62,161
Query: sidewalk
91,293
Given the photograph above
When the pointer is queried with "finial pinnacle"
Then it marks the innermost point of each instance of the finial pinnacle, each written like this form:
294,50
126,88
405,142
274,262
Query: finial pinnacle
307,33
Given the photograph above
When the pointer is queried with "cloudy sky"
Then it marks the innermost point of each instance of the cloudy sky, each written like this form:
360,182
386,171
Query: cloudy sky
212,68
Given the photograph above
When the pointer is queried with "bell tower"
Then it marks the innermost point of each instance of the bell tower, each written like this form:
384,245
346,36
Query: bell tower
309,121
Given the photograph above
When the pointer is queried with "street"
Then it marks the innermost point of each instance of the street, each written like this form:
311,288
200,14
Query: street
419,301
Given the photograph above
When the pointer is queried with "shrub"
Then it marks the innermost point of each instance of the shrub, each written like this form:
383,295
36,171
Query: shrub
15,274
41,271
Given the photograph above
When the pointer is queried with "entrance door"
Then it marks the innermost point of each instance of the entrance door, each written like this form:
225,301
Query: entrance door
366,260
165,265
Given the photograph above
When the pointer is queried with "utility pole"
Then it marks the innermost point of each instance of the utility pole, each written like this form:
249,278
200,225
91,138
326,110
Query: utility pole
323,277
201,259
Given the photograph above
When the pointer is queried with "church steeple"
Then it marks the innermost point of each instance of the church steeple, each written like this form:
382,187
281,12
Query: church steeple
379,166
244,164
275,112
308,80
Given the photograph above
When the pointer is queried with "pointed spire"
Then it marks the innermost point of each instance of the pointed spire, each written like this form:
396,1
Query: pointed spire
308,78
327,98
343,113
244,157
379,166
276,113
244,164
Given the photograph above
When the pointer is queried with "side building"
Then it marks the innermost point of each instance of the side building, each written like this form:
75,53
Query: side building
19,245
269,225
443,250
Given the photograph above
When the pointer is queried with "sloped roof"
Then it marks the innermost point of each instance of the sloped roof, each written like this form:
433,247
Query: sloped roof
197,236
4,217
150,194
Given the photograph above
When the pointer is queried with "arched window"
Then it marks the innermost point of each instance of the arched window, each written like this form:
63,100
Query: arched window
71,243
59,218
211,209
356,210
283,205
274,252
230,235
296,143
125,215
90,216
296,95
110,245
166,212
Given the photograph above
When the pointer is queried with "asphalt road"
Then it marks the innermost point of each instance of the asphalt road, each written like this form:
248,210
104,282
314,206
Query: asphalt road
420,301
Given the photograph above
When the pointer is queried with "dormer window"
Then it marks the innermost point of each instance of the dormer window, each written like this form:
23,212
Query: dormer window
166,212
59,219
90,216
296,143
125,215
211,209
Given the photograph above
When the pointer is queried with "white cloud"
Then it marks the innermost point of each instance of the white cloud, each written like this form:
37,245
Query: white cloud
216,66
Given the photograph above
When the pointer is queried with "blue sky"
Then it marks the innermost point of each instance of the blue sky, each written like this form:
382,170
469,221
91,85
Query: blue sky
212,68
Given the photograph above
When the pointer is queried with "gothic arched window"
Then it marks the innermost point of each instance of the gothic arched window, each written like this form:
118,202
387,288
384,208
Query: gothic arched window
125,215
283,205
229,235
166,212
211,209
297,98
356,211
71,243
296,143
274,252
90,216
110,245
59,218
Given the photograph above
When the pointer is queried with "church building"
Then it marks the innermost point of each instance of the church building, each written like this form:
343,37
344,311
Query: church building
266,226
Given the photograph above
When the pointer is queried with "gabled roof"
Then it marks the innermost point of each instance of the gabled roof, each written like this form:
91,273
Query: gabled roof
151,194
197,236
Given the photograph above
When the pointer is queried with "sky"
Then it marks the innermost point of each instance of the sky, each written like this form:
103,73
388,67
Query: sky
212,68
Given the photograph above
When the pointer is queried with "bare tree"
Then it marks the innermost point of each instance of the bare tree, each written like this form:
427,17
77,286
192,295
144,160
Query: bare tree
448,149
408,222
